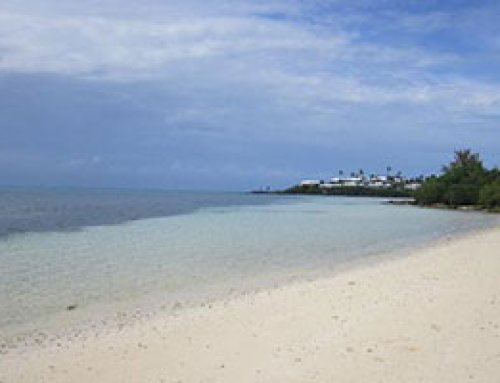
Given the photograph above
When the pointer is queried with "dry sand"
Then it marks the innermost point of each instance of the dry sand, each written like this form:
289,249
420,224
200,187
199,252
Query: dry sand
430,317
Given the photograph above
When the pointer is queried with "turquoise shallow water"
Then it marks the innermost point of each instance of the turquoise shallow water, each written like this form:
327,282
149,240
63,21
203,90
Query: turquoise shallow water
213,249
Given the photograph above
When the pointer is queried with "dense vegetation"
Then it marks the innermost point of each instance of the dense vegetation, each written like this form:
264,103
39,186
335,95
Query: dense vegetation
350,191
464,182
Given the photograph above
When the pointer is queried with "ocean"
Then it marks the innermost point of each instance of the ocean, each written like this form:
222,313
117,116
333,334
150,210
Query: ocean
111,255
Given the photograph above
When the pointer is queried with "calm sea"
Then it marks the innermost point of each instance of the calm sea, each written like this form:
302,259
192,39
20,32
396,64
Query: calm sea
122,251
60,209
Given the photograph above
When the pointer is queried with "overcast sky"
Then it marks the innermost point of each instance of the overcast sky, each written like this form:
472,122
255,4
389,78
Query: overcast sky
240,94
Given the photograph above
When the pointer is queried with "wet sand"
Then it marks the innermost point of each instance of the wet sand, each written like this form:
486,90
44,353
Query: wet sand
431,317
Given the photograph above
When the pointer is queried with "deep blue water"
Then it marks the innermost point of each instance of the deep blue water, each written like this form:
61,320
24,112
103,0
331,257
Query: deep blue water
42,210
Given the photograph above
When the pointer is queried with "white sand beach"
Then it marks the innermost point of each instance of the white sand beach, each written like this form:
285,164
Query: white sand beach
431,317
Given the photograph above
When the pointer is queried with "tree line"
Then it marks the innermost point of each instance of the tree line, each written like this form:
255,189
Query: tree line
464,182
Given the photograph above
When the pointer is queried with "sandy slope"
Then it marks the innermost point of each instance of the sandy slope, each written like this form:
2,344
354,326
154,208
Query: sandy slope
432,317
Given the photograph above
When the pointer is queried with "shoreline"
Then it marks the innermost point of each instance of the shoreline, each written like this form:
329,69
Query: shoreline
395,201
244,332
97,318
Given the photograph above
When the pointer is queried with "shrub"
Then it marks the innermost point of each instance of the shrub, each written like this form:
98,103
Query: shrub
462,194
464,181
431,191
489,195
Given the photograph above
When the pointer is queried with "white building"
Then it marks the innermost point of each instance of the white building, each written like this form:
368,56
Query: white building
412,186
352,181
377,184
310,182
330,185
374,181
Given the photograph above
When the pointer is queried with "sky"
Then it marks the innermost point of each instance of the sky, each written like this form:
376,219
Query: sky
236,95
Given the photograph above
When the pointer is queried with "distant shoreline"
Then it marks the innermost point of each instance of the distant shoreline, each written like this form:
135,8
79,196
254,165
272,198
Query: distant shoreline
347,191
402,198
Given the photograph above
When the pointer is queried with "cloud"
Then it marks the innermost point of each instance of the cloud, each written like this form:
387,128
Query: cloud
156,83
113,47
126,49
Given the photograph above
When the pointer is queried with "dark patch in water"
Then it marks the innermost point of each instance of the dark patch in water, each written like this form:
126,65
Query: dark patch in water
42,210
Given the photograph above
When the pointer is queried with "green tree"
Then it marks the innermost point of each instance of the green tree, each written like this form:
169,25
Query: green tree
431,191
489,195
464,181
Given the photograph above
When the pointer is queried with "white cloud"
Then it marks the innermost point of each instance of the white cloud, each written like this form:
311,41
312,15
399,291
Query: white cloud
87,45
213,53
292,58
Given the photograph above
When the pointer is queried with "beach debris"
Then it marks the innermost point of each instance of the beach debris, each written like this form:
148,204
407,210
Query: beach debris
71,307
